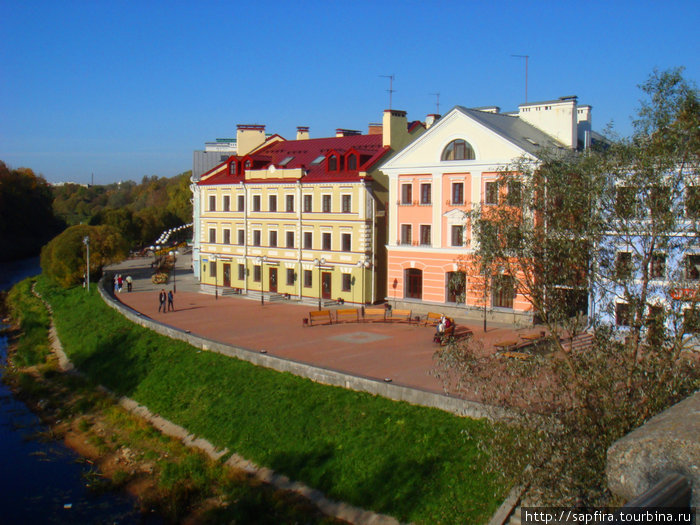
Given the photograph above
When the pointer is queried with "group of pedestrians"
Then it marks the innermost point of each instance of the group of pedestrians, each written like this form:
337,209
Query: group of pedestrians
118,283
163,298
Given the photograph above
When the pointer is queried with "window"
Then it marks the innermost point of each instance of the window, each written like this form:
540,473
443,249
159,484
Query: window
241,272
332,163
346,282
291,276
272,202
346,242
346,203
352,162
658,266
290,239
457,235
212,235
622,314
241,203
326,204
405,234
248,164
623,265
212,269
227,236
491,196
326,240
458,150
308,199
256,202
457,193
227,203
290,203
425,239
212,202
233,168
256,237
692,267
413,279
515,193
426,193
456,285
308,240
503,291
273,238
659,200
257,273
308,279
692,202
241,237
406,194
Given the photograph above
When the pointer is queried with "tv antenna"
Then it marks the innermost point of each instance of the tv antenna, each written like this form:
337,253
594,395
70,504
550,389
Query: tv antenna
391,86
437,102
526,57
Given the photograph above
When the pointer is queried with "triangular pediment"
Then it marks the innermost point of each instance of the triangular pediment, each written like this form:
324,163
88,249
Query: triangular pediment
490,145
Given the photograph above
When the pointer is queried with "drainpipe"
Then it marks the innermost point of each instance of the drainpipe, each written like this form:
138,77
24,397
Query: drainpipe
245,236
374,262
301,237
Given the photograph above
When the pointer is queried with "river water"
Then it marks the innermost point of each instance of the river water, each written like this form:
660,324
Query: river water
41,480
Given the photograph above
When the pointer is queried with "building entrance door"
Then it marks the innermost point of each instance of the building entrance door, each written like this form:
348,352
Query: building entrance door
273,279
227,274
326,291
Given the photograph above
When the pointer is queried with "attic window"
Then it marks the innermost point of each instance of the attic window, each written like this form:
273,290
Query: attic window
285,161
332,163
248,164
233,168
318,160
352,162
458,150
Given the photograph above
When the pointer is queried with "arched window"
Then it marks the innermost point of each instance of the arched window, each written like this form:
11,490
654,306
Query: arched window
248,164
458,150
352,162
332,163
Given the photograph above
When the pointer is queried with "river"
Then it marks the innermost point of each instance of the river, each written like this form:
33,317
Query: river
41,480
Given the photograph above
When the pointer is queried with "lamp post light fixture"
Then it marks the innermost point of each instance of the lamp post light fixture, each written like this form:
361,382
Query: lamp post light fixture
261,262
363,265
86,242
174,254
319,262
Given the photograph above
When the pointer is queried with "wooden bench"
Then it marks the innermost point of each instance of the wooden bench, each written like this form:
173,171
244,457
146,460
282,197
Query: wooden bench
401,316
348,315
375,314
432,319
320,317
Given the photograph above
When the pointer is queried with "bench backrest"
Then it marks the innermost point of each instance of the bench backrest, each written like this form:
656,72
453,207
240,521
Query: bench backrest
375,312
347,313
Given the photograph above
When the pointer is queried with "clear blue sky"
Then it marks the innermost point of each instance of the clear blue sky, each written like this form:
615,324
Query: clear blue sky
125,89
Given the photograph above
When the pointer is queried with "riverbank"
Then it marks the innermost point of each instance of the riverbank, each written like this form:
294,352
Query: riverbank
169,479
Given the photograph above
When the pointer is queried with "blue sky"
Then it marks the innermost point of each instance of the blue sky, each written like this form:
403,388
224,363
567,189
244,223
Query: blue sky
126,89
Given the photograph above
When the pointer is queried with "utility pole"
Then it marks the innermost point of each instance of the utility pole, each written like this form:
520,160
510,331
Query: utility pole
437,102
526,57
391,87
86,242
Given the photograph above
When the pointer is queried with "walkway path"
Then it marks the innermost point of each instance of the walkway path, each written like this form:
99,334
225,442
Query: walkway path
381,351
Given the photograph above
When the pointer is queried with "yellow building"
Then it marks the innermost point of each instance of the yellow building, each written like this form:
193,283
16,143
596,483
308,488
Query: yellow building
301,218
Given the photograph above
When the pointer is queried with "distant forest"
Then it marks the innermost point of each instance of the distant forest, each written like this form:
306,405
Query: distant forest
32,211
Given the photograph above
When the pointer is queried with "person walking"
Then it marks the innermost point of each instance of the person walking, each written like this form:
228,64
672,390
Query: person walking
129,280
171,306
120,282
161,300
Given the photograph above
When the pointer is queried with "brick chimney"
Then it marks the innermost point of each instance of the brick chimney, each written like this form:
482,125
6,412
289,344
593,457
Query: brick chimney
249,137
395,129
302,132
374,128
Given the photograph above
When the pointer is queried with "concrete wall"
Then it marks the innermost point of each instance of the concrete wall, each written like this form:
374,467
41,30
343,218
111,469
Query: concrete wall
319,375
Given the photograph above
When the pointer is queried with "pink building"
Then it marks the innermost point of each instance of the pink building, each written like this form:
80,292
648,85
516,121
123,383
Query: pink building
434,182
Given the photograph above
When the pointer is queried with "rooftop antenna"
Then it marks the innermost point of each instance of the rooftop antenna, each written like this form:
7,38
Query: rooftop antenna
391,86
437,102
92,179
526,57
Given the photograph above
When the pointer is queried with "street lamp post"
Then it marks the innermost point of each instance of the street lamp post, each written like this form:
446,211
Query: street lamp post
363,264
216,277
261,261
174,255
86,242
319,263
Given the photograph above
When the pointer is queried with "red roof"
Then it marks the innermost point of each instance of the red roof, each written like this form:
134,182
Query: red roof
290,154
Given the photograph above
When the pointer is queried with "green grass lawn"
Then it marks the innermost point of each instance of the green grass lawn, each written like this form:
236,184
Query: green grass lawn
414,463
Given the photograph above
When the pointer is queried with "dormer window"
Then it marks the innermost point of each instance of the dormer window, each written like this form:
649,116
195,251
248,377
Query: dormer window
332,163
233,168
352,162
248,164
458,150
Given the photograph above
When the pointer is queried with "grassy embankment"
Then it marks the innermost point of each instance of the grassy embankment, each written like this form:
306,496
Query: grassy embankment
415,463
181,484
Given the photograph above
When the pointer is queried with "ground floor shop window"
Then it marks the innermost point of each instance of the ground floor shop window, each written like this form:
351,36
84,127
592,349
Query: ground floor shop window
414,283
503,291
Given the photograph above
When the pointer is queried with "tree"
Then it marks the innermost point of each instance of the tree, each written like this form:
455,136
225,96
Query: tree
560,235
63,259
